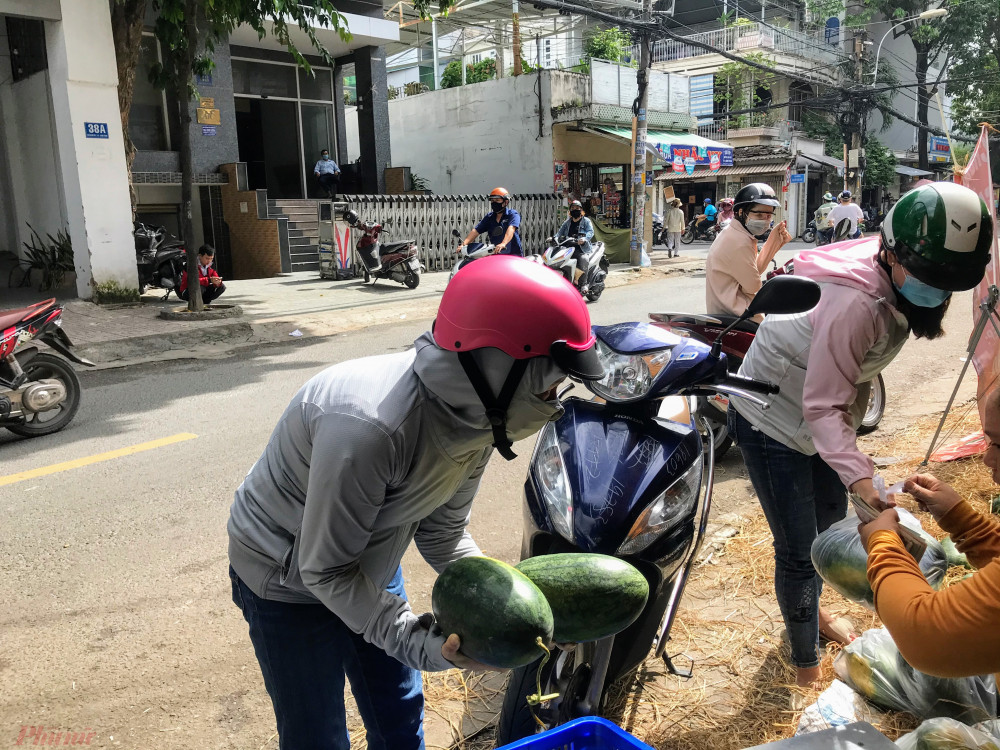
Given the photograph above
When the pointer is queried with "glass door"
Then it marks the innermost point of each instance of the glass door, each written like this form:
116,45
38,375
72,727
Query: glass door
317,134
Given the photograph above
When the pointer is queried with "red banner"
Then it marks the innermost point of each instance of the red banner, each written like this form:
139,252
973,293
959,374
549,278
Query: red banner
978,177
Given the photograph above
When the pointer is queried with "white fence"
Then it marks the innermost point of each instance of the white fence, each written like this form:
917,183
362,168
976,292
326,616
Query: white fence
429,220
753,36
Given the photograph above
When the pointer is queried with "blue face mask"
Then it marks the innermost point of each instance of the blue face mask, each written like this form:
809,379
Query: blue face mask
921,294
326,157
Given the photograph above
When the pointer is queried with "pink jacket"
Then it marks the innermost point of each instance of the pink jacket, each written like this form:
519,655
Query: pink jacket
819,359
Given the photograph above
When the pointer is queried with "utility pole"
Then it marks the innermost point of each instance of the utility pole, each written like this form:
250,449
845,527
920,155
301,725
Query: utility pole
857,116
517,39
639,127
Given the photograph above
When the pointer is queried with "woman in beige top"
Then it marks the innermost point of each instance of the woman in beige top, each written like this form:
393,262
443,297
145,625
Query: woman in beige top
674,223
734,265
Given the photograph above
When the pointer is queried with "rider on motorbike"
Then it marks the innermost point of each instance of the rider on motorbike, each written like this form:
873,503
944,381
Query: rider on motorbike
824,228
707,219
576,224
500,225
734,265
801,448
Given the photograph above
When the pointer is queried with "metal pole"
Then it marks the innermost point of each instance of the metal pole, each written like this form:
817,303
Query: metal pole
639,144
463,56
538,50
517,39
434,52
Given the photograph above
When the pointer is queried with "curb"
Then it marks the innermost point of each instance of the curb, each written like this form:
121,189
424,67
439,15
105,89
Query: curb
215,312
143,347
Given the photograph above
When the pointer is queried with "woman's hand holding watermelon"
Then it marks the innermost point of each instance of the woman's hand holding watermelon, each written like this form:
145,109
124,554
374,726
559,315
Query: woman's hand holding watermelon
450,651
887,520
932,494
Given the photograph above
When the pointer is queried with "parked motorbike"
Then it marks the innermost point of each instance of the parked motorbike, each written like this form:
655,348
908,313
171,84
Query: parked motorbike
398,261
809,233
160,258
625,475
39,391
692,232
659,231
559,256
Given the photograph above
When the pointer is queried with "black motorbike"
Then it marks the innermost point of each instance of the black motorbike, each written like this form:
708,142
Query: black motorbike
809,233
159,257
693,233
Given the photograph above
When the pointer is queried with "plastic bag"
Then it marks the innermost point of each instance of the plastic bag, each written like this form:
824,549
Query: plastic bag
873,666
644,260
841,561
947,734
837,706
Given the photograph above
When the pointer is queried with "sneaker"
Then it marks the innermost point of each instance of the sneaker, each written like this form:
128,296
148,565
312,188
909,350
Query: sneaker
584,289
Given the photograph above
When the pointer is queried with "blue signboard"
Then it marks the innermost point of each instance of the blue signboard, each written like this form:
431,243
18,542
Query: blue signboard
203,80
702,156
95,129
797,178
208,130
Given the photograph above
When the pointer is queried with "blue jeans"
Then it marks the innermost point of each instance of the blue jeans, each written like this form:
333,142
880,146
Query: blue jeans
801,496
304,651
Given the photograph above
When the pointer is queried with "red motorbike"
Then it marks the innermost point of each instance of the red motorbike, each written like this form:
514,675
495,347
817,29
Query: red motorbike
735,344
398,261
39,391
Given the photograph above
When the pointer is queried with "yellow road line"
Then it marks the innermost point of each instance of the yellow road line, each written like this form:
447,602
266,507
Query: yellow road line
77,463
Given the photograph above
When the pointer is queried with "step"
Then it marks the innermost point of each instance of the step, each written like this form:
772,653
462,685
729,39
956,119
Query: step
307,253
293,214
300,242
281,202
308,266
295,224
296,232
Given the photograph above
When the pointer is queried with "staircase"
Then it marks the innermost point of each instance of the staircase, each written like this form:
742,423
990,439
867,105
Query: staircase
303,230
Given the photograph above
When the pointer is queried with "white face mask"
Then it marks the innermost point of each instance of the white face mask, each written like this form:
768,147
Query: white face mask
757,227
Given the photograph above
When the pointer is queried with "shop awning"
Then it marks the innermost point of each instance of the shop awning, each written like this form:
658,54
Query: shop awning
702,174
830,161
669,147
911,171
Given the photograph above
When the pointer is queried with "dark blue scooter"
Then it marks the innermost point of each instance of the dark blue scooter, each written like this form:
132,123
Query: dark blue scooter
625,474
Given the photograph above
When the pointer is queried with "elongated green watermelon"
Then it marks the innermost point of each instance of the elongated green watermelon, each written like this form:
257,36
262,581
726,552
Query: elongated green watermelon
592,596
494,609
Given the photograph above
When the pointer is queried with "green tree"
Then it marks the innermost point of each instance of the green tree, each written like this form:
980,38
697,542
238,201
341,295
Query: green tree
738,86
824,129
927,37
607,44
972,32
452,75
880,165
484,70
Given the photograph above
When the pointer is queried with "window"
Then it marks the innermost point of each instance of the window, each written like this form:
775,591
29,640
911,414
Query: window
147,123
703,97
263,79
317,86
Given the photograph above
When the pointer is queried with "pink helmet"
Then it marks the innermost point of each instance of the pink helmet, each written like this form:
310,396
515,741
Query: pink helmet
521,308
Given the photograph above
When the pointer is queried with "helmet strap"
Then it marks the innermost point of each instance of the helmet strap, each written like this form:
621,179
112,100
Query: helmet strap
496,407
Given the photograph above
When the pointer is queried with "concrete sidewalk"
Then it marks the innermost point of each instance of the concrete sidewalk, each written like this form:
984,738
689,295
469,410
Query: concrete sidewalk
274,310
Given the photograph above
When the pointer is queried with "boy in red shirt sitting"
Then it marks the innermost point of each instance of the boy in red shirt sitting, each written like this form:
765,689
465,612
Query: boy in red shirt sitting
211,283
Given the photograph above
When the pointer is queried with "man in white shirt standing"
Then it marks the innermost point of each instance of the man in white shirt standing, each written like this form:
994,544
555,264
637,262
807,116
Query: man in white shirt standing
845,209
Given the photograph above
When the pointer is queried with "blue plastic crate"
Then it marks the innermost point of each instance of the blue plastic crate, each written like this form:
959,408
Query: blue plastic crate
588,733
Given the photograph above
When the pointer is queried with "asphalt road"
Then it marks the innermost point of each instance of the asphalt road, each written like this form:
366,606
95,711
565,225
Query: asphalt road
116,611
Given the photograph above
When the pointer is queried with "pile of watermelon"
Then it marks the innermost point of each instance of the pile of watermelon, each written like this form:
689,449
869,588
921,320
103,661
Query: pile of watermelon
504,615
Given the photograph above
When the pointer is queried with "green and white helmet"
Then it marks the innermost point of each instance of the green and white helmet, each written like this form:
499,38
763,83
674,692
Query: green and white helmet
942,234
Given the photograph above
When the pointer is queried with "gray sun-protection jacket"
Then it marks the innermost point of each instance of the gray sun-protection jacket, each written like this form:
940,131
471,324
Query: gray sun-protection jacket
369,455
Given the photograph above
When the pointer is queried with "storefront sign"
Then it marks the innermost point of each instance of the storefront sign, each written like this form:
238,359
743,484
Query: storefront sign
678,163
560,175
95,129
938,148
702,155
689,163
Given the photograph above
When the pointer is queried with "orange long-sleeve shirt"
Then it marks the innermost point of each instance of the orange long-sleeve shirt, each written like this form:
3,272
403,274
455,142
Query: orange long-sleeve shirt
954,632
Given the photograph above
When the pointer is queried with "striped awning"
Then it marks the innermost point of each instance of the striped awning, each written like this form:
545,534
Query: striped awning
705,174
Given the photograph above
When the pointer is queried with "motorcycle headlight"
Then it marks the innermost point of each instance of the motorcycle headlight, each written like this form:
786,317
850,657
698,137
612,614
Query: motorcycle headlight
553,481
627,377
675,503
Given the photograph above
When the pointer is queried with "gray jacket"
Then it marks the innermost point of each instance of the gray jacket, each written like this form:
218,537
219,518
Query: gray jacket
369,455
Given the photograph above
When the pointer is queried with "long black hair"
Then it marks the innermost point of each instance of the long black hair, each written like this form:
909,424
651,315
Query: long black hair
924,322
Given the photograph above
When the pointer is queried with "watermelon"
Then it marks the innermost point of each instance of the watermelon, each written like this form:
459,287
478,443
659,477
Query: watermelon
498,613
592,596
841,561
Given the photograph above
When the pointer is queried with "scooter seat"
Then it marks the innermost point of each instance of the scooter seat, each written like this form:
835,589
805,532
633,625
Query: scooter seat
396,247
13,317
747,326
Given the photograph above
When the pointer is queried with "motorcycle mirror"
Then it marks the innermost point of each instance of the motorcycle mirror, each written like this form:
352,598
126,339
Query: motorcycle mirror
456,233
782,295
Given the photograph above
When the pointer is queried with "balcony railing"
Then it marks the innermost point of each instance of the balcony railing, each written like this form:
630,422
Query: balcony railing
721,128
748,37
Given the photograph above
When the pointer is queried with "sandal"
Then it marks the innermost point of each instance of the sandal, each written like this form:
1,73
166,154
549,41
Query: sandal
839,630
